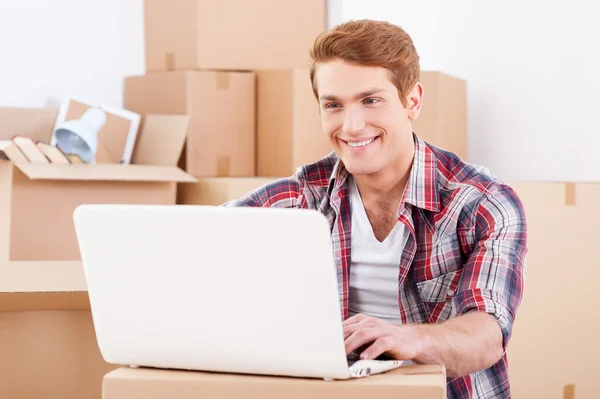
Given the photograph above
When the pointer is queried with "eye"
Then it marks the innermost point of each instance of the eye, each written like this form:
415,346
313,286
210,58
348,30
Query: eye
370,101
332,105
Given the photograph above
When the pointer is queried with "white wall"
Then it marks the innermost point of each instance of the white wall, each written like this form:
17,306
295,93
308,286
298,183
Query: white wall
49,49
530,66
533,71
421,19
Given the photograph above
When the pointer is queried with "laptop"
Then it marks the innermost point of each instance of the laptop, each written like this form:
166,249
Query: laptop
236,290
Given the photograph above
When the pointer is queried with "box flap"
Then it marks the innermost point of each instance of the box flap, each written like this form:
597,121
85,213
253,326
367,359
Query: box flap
161,140
36,123
105,172
53,285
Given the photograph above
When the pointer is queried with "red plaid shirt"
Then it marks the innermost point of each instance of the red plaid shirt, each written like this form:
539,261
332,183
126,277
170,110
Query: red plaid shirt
465,251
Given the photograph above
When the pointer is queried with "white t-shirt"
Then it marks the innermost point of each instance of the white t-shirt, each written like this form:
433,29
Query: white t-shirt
374,265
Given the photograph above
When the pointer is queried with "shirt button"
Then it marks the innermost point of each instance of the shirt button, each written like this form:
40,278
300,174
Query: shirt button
450,292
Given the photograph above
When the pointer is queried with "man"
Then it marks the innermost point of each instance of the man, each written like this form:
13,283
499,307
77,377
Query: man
429,249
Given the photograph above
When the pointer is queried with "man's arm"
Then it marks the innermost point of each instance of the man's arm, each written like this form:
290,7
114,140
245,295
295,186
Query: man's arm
464,345
486,300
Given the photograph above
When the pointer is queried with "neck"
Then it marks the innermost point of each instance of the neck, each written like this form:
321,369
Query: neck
387,185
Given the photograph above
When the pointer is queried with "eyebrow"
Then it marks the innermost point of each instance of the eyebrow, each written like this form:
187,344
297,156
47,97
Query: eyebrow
362,94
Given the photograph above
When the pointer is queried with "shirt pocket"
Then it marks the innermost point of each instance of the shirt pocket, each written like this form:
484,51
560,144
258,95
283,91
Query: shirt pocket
440,257
437,294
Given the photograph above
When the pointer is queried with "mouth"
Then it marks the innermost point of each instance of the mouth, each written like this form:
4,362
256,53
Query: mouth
359,144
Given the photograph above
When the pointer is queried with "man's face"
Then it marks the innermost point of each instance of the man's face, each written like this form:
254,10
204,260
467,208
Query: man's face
363,117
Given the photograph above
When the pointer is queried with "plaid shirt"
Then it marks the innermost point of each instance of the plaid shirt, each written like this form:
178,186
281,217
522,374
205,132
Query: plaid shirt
465,251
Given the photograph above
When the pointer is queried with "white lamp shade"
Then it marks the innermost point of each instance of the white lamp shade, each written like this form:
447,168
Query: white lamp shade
80,136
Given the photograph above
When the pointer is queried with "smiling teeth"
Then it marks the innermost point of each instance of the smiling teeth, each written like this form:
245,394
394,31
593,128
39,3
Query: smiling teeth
361,143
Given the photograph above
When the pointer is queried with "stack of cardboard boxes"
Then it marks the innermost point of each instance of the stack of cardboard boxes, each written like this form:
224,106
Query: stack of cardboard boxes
47,340
240,71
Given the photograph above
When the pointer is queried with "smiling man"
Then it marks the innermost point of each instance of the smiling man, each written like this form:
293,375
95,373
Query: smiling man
429,249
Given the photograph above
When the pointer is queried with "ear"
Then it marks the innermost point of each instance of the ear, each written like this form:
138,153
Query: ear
414,100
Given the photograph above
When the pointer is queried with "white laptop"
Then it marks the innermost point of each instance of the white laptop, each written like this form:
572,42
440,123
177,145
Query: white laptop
239,290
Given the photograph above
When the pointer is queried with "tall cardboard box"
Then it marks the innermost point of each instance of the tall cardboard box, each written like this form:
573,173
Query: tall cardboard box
554,350
423,382
37,200
443,118
289,132
221,105
47,338
230,34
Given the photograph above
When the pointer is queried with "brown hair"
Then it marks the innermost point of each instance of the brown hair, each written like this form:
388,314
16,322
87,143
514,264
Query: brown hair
370,43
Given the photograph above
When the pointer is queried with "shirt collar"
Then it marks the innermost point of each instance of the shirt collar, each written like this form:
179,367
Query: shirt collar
422,188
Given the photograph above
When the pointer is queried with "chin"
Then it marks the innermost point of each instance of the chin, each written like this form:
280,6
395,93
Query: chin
357,169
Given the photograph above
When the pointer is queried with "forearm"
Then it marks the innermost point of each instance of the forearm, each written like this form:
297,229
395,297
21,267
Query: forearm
464,345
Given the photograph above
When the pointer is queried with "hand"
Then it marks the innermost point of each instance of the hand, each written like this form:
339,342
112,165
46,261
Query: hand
400,342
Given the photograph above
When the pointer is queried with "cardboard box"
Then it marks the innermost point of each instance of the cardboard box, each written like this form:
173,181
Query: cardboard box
50,355
221,105
443,118
411,382
47,339
218,190
555,338
289,132
37,200
231,34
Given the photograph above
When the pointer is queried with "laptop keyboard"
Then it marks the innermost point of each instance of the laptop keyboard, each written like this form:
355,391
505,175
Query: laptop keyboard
352,358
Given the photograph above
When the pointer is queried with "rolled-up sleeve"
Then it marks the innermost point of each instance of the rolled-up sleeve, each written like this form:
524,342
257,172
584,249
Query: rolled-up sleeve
492,280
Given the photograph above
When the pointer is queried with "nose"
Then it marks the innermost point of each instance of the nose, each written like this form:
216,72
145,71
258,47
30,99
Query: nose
354,120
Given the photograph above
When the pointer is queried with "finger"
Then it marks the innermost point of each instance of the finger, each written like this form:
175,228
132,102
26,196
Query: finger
351,329
361,337
381,345
356,324
357,318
